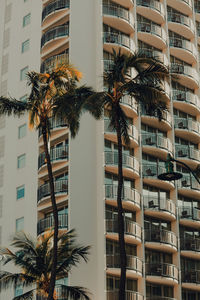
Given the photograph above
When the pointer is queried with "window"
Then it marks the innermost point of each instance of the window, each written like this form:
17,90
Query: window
18,290
21,161
20,192
23,73
26,20
25,46
21,131
19,224
23,98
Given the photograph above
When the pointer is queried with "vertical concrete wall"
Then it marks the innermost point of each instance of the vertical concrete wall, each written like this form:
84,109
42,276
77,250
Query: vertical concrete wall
86,204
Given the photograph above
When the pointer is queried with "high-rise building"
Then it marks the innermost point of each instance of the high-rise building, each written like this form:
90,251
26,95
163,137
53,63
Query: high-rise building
162,219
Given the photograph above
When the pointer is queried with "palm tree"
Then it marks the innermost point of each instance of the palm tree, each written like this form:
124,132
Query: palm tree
146,87
46,91
34,259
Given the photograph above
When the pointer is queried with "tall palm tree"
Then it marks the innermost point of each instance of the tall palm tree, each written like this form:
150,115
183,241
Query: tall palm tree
46,90
34,259
140,77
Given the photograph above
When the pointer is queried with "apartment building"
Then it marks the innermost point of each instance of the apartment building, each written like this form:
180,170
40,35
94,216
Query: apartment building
162,219
20,33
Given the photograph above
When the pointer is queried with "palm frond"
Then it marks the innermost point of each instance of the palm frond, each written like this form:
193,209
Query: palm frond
25,296
8,280
74,292
11,106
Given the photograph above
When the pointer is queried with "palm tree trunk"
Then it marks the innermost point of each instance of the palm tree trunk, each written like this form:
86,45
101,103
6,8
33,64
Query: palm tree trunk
121,217
55,215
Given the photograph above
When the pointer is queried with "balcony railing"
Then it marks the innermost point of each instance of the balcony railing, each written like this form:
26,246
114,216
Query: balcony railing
153,53
130,227
191,276
188,212
129,295
151,3
54,61
154,203
187,97
190,243
181,43
183,151
152,170
54,123
191,125
58,153
60,186
188,182
161,269
156,140
179,18
132,130
128,161
128,100
54,6
115,38
133,262
57,32
197,6
48,223
114,10
128,193
151,28
160,236
183,69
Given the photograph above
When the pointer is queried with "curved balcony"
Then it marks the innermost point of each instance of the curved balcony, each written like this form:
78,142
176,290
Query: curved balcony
187,129
150,174
168,272
132,230
187,75
130,106
55,37
60,187
189,186
190,247
151,8
184,6
48,223
129,295
190,216
153,120
57,126
163,208
190,279
119,17
134,265
183,49
51,62
187,154
152,34
161,239
181,24
155,54
110,133
55,9
186,101
154,143
129,163
56,154
130,196
114,40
